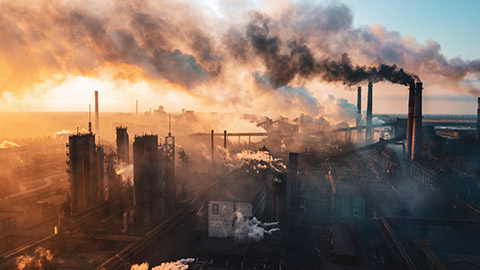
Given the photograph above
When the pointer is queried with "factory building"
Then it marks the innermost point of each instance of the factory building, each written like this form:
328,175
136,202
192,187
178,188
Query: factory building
86,169
246,196
148,181
347,203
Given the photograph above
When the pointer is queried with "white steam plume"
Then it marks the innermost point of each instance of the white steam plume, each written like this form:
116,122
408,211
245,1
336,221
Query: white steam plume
126,172
251,229
8,144
181,264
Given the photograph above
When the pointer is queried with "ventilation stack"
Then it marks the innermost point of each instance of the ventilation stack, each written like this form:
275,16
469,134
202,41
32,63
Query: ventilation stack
97,116
85,168
477,132
224,139
359,105
368,130
147,181
411,111
212,145
123,151
417,123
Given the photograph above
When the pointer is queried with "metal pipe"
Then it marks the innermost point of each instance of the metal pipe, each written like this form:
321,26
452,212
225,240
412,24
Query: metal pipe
417,123
368,131
411,110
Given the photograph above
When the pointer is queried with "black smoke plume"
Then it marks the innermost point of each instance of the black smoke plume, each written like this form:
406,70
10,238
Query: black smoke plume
299,61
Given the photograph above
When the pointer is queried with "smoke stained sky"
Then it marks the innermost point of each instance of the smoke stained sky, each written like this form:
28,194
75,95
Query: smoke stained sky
209,61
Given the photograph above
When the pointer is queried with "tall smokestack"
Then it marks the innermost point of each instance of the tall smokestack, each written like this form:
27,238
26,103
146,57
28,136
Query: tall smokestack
89,118
368,130
359,105
97,117
417,123
212,146
477,132
411,110
224,139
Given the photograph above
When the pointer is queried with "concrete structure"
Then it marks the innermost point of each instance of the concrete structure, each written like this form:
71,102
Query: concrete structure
347,204
86,171
148,181
369,130
411,110
123,148
246,196
417,139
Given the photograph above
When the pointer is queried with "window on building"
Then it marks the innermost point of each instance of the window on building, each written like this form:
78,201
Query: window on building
215,208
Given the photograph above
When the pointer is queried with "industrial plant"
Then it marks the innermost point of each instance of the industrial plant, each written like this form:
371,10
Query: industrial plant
229,135
394,193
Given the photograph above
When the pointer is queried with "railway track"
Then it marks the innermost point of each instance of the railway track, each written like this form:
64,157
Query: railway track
119,260
395,248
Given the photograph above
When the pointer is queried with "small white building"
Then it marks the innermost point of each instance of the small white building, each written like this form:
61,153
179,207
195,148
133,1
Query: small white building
247,196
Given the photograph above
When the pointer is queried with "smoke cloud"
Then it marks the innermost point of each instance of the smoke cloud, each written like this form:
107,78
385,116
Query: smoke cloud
251,229
244,61
42,259
126,172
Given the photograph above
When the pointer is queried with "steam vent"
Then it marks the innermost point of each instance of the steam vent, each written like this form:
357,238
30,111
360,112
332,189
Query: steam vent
230,135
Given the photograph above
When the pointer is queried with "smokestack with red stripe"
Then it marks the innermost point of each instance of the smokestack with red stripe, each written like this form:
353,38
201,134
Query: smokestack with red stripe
359,105
368,130
411,111
417,123
477,132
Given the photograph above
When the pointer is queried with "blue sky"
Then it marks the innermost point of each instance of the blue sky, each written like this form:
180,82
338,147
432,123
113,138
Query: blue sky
453,24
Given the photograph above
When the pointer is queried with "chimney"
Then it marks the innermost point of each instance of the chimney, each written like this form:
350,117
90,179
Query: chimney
368,130
411,110
417,123
212,147
359,105
477,132
224,139
97,113
89,119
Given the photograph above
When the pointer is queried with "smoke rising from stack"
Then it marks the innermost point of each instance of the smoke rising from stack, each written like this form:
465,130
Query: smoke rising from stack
126,172
251,229
300,62
182,45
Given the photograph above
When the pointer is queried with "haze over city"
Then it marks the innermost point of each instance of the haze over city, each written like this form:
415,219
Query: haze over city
239,134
